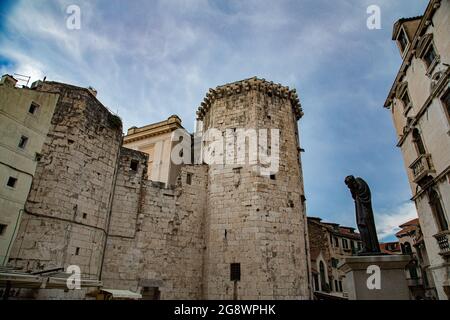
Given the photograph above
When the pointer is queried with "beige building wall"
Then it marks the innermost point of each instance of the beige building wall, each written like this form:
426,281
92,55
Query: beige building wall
16,121
67,211
156,141
426,85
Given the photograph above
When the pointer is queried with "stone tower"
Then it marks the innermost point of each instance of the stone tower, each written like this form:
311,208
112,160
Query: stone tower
255,228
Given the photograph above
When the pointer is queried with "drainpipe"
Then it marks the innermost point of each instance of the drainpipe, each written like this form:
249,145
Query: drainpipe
11,240
113,190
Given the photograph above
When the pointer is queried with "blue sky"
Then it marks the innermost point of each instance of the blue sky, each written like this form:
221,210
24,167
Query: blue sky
151,59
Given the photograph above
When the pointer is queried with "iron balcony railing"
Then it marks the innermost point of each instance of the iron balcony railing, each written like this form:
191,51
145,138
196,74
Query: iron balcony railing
443,240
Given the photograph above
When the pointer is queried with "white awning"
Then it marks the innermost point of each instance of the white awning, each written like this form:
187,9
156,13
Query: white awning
123,294
27,280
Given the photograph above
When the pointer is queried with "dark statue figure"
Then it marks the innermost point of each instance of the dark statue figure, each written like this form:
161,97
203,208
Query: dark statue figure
364,215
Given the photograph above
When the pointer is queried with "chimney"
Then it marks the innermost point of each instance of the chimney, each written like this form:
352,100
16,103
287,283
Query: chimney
8,80
131,130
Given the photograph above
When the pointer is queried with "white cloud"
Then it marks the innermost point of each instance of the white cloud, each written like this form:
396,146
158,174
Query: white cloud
149,60
388,221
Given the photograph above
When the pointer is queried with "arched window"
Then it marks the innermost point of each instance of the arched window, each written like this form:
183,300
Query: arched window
417,139
438,210
413,272
323,281
407,248
412,269
316,282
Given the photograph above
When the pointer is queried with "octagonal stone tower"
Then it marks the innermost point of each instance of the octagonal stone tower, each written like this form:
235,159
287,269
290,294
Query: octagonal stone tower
255,225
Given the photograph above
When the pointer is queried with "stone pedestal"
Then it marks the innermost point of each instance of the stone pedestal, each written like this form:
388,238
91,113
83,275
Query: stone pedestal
393,283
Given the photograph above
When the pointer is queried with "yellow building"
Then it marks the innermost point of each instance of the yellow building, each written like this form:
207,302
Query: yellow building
156,140
25,117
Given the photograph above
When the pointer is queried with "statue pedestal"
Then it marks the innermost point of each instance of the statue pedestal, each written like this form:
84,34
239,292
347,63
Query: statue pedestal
361,274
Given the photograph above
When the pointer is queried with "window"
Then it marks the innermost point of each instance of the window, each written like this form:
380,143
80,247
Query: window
336,242
446,102
438,210
334,262
11,182
37,157
340,286
272,177
189,178
426,51
413,270
3,229
336,285
316,282
345,243
323,282
77,251
417,139
235,272
134,165
407,248
430,55
84,215
406,100
402,40
33,108
23,142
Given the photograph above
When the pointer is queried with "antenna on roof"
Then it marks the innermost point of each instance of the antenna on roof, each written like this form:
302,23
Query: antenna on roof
22,78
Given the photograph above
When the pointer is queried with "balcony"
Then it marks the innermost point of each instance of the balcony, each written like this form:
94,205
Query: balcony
443,240
421,167
414,282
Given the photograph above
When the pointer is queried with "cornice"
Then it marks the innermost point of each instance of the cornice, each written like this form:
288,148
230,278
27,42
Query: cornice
431,183
151,132
433,5
256,84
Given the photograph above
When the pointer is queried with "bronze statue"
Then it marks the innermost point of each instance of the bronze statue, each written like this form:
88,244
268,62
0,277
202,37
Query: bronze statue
364,215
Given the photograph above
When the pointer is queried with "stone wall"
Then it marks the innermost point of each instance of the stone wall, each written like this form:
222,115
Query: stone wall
319,244
91,205
67,210
156,234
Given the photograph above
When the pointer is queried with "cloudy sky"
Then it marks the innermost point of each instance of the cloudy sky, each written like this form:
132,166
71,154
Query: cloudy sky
151,59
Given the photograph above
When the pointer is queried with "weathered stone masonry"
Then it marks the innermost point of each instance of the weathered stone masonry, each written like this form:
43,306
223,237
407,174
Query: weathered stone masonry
162,242
91,204
257,221
67,210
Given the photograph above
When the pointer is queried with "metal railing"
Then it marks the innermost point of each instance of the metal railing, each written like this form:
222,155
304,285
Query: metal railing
443,240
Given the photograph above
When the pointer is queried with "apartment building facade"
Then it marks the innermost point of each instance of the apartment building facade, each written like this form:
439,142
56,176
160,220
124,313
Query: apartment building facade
419,101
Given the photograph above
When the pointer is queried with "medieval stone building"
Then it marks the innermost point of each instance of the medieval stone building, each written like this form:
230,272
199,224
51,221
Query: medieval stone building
220,231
